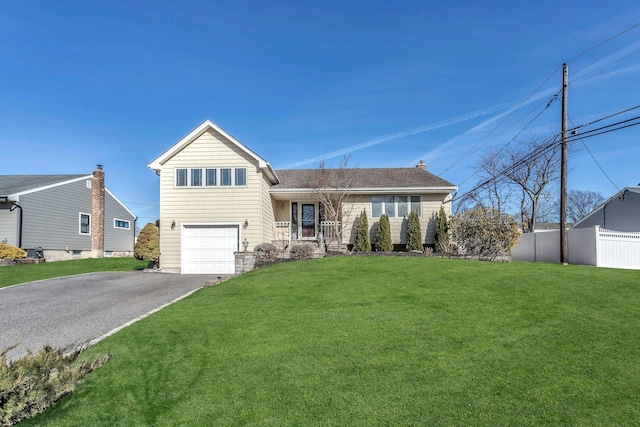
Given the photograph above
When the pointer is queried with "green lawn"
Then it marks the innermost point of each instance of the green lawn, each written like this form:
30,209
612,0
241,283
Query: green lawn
14,274
364,341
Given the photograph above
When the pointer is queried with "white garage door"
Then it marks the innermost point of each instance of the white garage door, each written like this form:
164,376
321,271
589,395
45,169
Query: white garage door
208,249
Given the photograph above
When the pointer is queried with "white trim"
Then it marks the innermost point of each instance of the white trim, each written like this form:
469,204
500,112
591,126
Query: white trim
196,133
80,224
46,187
128,227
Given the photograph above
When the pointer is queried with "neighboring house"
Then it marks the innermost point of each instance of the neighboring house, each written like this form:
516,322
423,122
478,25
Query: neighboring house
217,197
68,216
620,213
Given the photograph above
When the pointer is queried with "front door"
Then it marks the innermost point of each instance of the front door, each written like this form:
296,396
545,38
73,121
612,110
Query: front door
308,220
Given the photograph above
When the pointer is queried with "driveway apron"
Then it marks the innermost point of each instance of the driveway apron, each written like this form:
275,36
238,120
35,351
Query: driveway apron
74,310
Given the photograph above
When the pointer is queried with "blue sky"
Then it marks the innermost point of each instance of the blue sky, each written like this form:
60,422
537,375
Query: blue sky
390,83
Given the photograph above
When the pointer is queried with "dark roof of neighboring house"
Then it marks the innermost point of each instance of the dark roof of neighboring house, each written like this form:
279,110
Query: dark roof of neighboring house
12,184
363,178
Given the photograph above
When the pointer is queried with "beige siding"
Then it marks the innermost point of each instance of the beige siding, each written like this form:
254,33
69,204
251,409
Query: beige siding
232,205
430,207
268,217
282,210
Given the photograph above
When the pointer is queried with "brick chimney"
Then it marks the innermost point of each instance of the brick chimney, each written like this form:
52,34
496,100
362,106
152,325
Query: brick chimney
422,165
97,214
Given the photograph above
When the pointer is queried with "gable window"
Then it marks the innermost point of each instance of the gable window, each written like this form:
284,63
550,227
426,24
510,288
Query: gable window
196,177
181,177
85,223
211,177
225,177
241,177
121,223
395,206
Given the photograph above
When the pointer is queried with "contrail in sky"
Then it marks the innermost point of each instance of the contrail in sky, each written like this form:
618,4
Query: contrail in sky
392,136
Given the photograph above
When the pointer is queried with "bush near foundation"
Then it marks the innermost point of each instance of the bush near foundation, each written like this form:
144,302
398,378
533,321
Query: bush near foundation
148,244
11,252
266,252
301,252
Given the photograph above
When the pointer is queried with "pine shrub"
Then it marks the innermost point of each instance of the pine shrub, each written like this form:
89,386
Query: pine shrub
363,241
414,233
148,243
34,382
11,252
383,235
442,239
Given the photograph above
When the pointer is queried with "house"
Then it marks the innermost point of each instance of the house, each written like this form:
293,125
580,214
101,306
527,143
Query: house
66,216
620,213
217,197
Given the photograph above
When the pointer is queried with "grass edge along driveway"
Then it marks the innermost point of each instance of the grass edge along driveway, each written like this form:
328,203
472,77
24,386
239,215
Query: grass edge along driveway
378,341
16,274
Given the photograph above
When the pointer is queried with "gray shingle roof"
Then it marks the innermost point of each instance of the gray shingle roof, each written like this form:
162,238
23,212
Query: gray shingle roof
364,178
12,184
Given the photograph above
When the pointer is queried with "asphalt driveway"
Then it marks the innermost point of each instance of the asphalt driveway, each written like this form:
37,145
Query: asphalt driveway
78,309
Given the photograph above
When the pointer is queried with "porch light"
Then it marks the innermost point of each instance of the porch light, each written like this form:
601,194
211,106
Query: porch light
245,244
246,223
173,224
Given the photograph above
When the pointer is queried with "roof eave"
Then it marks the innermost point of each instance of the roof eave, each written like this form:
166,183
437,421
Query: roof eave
375,190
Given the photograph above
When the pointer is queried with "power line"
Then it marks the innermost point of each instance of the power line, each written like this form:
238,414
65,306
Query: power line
606,129
596,161
604,42
481,143
526,159
603,118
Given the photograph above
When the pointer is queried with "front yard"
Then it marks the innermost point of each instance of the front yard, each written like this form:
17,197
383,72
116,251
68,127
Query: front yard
378,341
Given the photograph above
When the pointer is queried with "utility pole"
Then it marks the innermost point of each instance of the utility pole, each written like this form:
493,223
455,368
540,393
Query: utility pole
564,167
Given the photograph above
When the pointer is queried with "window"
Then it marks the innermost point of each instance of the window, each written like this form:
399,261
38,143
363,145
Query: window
416,206
196,177
241,176
181,177
376,206
121,223
85,223
395,206
225,177
211,177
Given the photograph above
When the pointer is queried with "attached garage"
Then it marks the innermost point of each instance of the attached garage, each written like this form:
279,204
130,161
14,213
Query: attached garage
208,249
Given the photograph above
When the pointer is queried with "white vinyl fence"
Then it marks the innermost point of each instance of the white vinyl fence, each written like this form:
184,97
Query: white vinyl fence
586,246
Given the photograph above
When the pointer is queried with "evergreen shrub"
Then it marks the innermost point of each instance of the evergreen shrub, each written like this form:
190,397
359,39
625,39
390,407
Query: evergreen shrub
383,235
414,233
363,241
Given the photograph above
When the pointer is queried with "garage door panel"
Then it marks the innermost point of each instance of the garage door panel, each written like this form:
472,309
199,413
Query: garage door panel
209,249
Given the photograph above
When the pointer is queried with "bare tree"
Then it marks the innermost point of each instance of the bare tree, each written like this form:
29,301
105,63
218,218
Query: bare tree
332,187
580,203
496,193
518,178
532,166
